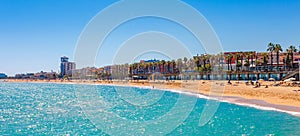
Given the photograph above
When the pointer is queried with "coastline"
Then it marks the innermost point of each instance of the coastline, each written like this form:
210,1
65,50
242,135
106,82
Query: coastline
276,98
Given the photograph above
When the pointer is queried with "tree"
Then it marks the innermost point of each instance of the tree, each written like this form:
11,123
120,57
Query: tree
287,61
185,59
265,60
229,61
173,64
251,55
237,57
197,62
277,49
168,67
161,66
242,55
179,65
220,60
247,64
271,48
291,51
238,65
204,59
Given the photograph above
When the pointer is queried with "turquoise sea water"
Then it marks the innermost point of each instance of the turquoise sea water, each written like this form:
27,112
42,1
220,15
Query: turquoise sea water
58,109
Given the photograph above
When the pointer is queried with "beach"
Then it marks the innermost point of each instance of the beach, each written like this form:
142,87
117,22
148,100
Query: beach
274,96
277,97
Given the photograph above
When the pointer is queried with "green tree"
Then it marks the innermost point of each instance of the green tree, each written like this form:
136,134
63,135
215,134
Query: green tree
271,48
277,49
291,50
287,61
237,57
252,55
265,60
242,55
204,59
229,61
197,62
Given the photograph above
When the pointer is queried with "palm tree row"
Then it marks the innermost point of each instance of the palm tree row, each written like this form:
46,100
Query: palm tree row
206,63
164,67
244,61
289,58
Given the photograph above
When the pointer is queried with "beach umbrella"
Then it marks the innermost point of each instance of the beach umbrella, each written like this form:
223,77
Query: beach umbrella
261,81
271,79
292,79
287,80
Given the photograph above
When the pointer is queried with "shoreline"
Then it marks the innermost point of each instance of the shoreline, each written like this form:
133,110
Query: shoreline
274,98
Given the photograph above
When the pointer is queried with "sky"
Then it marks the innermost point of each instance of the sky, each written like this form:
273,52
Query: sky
34,34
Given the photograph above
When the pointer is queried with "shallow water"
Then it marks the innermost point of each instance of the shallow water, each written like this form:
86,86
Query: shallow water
64,109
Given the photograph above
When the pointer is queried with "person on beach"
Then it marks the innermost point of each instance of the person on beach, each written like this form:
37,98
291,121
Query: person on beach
229,82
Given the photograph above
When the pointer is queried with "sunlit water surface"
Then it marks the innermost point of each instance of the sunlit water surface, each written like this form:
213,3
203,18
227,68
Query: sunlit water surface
53,109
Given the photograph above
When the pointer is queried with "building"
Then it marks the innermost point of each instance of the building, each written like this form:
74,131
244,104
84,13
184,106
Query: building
2,75
39,75
25,76
45,75
66,67
84,73
108,69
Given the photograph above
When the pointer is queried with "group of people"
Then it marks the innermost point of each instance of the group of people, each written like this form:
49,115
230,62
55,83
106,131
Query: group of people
254,84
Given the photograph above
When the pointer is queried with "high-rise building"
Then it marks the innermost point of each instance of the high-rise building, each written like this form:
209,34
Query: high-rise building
66,67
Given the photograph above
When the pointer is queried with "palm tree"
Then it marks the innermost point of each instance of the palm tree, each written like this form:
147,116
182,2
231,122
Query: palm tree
242,55
277,49
229,61
141,68
197,62
204,59
135,68
220,60
162,65
185,59
227,57
179,65
130,69
251,55
271,48
168,67
265,60
148,66
247,64
256,58
287,61
173,64
291,51
237,64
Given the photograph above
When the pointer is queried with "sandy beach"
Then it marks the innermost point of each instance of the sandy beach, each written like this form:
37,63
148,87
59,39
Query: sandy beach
279,97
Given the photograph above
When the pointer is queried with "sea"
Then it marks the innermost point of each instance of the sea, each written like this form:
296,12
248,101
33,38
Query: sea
83,109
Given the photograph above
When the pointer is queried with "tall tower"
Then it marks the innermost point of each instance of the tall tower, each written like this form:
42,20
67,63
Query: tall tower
64,59
66,67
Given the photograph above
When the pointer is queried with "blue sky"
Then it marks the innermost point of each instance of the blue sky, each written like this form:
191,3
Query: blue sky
34,34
